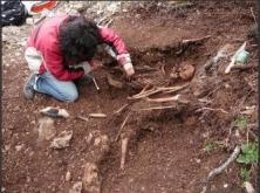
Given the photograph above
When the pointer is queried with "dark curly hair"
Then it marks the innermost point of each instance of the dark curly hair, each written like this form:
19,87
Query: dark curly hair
78,38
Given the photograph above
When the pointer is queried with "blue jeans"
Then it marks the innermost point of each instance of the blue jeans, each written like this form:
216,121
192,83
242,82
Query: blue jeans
65,91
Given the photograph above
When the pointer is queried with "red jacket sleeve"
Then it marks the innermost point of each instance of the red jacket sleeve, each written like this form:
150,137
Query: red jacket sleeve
110,37
54,64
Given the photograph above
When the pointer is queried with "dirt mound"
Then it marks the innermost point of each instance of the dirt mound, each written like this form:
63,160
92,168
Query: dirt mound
171,112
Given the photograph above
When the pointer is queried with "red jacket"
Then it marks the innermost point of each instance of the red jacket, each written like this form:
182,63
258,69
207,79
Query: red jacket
47,43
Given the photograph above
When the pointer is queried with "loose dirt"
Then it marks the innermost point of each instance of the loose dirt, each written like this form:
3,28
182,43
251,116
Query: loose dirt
166,150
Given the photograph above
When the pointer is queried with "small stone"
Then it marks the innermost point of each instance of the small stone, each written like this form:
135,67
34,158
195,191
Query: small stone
76,188
89,138
249,187
187,72
46,129
225,185
16,108
18,147
62,141
198,161
97,141
29,21
91,179
7,147
68,176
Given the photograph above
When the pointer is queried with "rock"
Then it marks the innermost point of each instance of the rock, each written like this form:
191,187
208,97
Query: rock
89,138
46,129
18,147
249,187
103,141
55,112
91,179
68,176
187,72
62,141
76,188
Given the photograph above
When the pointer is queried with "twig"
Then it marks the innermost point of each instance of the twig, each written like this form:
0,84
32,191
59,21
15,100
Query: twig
165,99
152,91
210,109
121,109
221,168
97,115
251,9
124,152
163,69
82,118
109,23
196,40
156,108
122,126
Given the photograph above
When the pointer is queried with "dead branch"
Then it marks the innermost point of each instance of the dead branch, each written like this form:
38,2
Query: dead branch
122,126
97,115
114,83
210,109
156,108
163,69
152,91
195,40
124,152
165,99
252,12
82,118
221,168
121,109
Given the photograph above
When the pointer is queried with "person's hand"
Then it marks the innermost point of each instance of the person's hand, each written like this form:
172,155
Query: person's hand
95,64
129,69
125,61
86,67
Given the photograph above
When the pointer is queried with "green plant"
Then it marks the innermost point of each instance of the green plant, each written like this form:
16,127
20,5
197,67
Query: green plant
241,122
249,154
245,174
209,147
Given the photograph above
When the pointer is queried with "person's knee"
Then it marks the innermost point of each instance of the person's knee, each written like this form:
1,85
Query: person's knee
72,96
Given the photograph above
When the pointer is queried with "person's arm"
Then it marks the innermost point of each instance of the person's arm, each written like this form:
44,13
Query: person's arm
53,61
111,38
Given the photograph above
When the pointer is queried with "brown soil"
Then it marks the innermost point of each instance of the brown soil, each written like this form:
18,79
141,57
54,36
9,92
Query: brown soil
166,147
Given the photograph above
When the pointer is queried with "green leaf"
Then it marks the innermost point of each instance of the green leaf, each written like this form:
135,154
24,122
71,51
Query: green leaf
245,174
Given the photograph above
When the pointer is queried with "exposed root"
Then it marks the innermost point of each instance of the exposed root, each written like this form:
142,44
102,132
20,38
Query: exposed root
210,109
146,93
97,115
82,118
221,168
124,152
122,126
121,109
156,108
165,99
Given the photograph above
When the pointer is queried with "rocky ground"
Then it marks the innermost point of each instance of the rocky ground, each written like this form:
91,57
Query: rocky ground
175,137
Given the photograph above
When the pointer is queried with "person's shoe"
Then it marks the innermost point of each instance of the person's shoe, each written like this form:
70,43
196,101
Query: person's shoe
28,90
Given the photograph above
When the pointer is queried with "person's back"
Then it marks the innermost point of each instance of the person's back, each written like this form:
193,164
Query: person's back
60,51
